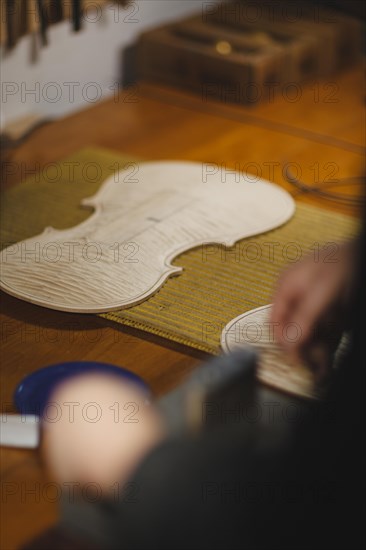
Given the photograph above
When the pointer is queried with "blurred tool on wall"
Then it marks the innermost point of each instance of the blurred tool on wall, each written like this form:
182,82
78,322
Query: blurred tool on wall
20,17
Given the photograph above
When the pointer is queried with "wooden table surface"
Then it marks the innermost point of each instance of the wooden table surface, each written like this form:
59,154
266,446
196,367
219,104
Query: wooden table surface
321,133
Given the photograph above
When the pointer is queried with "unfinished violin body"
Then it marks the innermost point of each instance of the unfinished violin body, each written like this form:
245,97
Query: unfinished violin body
122,253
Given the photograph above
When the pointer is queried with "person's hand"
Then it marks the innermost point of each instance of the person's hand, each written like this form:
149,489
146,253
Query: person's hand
102,430
310,304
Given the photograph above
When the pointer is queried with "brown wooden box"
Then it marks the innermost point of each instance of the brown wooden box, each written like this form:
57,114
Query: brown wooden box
240,56
217,62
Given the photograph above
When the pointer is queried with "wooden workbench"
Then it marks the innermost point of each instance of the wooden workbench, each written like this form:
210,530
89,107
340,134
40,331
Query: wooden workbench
322,132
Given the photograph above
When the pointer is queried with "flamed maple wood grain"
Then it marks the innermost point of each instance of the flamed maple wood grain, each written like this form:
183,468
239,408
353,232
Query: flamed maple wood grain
135,233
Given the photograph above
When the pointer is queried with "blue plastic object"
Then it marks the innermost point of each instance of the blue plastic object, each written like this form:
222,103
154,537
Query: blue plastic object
34,391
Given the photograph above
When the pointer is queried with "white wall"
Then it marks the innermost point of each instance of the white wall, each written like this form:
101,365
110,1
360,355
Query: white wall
76,69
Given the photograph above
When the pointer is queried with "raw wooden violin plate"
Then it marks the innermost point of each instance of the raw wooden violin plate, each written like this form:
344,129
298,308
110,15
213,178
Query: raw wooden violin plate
122,253
275,369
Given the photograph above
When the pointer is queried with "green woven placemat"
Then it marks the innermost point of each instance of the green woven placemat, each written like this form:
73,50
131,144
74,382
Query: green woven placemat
217,284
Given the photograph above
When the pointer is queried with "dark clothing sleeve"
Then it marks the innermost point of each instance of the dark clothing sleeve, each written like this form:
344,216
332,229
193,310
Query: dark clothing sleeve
230,489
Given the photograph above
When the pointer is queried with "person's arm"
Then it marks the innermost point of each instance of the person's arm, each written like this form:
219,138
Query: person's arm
103,430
